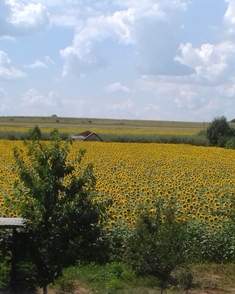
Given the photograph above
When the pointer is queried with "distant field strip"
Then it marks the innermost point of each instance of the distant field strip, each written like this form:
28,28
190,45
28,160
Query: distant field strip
199,181
100,131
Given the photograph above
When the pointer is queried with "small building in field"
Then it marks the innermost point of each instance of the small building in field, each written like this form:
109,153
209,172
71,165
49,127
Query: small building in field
86,136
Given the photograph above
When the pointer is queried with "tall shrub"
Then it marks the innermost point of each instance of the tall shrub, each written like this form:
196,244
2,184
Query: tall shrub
55,197
157,245
219,132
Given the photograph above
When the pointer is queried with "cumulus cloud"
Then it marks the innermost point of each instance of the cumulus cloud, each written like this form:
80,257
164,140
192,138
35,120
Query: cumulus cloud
40,63
4,102
146,26
229,20
82,58
181,51
156,49
117,87
34,98
118,109
149,4
34,103
36,64
85,54
187,100
214,63
229,15
7,71
2,95
18,18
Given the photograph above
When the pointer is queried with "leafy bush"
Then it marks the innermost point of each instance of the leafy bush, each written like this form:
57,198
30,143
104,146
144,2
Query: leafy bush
5,257
197,140
185,278
214,245
230,144
4,270
219,132
64,286
57,203
112,277
157,246
15,135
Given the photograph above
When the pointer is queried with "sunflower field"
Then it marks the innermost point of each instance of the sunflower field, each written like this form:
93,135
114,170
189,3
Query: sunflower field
198,181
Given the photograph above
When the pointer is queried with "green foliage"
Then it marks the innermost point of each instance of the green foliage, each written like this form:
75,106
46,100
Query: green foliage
64,286
219,132
230,144
35,133
213,245
5,256
185,278
16,135
117,235
4,270
197,140
157,246
210,276
113,277
55,196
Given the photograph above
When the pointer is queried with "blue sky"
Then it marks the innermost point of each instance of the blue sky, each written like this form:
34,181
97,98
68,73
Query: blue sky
124,59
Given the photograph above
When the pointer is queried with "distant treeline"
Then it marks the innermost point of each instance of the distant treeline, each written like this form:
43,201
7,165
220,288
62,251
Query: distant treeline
14,135
198,139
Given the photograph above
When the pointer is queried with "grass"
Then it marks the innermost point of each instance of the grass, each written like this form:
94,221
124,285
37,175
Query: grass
115,278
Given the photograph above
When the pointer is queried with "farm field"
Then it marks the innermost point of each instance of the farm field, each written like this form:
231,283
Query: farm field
74,125
198,181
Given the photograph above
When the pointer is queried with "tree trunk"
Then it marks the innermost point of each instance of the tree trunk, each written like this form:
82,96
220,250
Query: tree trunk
44,288
13,258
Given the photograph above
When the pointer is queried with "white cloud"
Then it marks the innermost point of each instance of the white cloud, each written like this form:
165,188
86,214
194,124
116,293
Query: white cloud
229,15
36,64
2,95
40,64
148,27
81,59
229,20
182,52
4,102
151,6
188,101
214,63
34,98
7,71
18,18
85,54
187,98
117,87
117,109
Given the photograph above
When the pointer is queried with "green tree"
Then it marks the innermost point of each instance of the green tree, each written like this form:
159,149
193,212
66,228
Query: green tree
54,195
157,245
219,132
35,133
